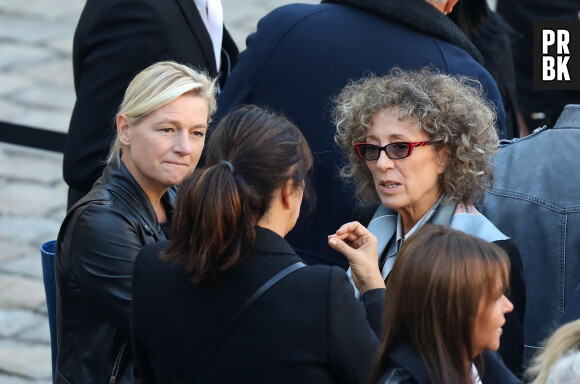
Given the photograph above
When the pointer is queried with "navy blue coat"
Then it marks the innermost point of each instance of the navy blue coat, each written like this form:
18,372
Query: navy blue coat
303,55
406,367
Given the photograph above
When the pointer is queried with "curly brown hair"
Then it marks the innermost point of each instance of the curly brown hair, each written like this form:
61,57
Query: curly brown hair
450,110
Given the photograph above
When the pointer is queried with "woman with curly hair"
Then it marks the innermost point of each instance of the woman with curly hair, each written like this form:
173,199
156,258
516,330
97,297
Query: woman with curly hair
419,143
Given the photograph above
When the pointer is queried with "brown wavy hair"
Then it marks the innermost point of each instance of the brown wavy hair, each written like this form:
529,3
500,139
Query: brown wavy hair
451,111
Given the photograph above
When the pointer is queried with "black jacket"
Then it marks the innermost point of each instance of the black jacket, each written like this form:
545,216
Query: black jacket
114,41
308,328
406,367
97,244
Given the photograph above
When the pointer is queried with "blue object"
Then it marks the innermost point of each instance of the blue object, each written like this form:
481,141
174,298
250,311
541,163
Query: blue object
47,255
536,201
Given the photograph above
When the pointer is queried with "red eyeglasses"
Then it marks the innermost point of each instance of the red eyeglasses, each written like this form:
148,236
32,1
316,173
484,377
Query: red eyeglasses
394,151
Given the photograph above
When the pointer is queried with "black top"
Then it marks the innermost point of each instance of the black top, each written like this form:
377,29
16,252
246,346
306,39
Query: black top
308,328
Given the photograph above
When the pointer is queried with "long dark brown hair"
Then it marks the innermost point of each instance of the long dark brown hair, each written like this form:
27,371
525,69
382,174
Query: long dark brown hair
251,153
433,295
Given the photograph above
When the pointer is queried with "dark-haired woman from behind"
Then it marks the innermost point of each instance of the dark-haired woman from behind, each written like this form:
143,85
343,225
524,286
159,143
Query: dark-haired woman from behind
227,245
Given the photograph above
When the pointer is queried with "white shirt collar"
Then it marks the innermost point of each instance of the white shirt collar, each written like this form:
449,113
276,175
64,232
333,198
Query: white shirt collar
211,12
475,375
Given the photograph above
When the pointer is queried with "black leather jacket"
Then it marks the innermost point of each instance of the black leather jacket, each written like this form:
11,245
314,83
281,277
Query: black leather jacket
97,244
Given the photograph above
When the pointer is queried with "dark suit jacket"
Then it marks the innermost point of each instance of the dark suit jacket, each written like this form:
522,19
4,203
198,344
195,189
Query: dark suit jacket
308,328
303,55
114,41
406,367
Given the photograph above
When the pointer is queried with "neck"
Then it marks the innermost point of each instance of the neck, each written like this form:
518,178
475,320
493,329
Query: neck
273,223
411,215
154,191
438,5
159,211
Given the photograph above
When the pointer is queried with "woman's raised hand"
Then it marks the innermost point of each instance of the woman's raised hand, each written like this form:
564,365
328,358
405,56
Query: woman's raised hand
359,246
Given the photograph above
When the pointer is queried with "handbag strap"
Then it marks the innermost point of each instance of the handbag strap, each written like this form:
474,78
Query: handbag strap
193,372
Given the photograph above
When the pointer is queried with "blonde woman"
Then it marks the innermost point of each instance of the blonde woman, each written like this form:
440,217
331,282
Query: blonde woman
559,361
161,128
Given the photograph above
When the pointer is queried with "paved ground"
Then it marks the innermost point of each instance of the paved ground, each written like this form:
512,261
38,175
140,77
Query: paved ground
36,89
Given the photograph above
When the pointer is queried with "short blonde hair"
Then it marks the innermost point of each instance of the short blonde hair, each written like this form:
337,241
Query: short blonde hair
158,85
451,111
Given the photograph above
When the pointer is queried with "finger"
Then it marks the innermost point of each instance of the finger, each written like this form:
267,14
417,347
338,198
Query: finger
351,232
337,244
349,227
354,229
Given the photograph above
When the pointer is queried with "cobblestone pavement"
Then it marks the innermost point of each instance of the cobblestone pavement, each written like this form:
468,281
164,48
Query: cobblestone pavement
36,89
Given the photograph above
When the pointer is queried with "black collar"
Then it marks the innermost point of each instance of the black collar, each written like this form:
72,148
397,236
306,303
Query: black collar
406,356
419,15
117,180
269,242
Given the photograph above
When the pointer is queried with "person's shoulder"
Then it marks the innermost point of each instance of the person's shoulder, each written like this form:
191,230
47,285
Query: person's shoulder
508,246
291,16
396,374
96,214
112,12
332,271
151,253
150,259
324,277
299,9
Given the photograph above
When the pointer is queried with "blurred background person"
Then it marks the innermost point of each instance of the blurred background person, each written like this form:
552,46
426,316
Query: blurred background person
419,146
302,55
493,38
161,128
559,362
535,199
228,243
537,108
115,40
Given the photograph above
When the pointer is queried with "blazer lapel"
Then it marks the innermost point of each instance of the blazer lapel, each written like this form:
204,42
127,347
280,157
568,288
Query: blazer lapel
198,28
383,225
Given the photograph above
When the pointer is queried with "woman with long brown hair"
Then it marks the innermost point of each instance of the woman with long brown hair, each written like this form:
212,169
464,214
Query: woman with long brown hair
445,305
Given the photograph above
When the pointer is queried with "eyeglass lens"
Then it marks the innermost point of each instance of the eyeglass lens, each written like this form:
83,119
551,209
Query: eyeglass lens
393,150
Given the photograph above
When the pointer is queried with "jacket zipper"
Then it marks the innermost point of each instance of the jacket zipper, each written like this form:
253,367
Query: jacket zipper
117,365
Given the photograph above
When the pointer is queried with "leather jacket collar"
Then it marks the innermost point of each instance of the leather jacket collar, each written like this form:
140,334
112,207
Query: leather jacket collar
419,15
118,181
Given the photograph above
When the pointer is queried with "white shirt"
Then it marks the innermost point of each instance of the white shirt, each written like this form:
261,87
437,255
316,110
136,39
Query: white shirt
212,14
475,375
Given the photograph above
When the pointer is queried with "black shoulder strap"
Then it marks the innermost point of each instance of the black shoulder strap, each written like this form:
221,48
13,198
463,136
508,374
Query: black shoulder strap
193,372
